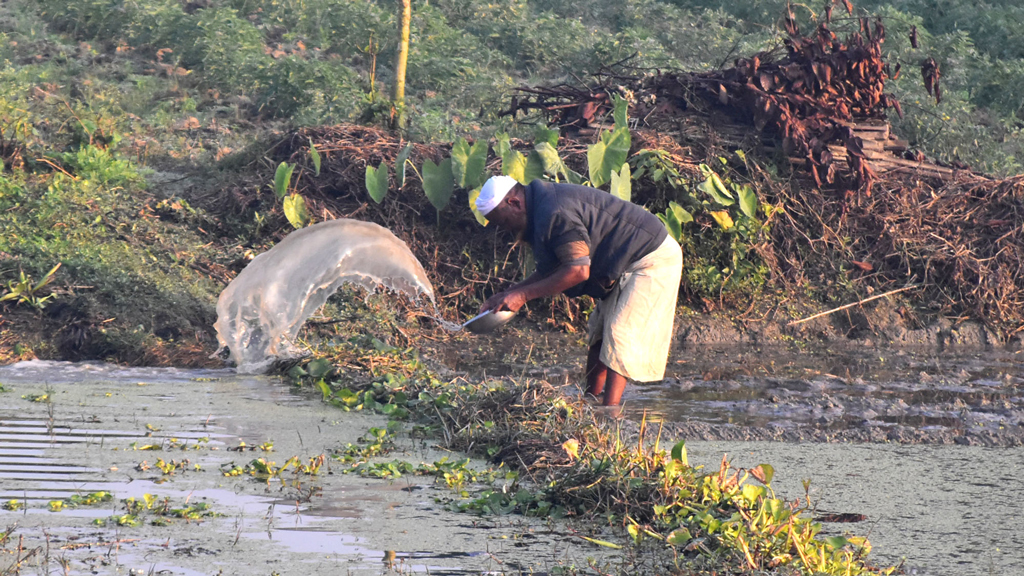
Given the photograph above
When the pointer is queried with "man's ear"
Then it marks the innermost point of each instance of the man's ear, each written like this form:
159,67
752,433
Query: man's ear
515,200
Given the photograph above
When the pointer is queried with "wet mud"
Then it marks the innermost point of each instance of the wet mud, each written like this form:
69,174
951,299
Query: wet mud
851,393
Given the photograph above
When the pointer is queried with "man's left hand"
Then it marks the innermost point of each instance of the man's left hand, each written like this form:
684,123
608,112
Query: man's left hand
511,300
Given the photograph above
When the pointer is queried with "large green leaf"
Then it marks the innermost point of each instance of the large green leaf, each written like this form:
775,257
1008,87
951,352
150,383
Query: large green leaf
468,163
681,214
595,163
672,225
748,200
678,537
535,166
621,184
608,155
282,179
514,165
438,182
714,187
377,182
836,542
503,147
548,156
400,160
679,453
295,210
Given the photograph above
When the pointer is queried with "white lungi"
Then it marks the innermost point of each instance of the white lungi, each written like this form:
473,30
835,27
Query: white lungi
634,322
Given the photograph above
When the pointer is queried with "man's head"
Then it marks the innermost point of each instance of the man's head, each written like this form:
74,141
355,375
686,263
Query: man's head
502,201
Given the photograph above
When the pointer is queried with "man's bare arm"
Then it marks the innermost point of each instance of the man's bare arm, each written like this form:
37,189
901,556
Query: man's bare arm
563,278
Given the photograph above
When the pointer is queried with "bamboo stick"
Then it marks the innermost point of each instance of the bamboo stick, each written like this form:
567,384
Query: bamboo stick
851,305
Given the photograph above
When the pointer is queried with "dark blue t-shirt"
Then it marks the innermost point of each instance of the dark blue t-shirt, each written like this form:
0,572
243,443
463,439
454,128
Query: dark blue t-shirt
617,232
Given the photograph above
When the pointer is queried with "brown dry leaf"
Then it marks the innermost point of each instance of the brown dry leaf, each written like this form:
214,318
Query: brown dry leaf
865,266
190,123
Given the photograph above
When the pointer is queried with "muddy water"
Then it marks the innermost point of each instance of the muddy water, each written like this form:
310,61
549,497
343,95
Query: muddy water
940,510
851,395
927,445
102,427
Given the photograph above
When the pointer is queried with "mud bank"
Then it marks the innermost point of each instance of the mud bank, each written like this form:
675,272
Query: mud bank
74,429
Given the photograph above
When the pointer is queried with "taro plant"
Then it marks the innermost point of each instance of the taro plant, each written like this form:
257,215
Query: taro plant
717,218
607,156
438,184
400,162
377,182
294,204
314,156
468,163
674,217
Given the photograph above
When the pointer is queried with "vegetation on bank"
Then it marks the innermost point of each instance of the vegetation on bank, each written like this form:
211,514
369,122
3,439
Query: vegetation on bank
556,457
132,135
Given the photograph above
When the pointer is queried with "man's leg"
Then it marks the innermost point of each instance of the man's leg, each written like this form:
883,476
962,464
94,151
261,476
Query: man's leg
615,385
596,370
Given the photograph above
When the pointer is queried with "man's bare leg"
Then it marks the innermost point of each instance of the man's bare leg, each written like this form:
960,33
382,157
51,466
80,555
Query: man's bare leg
596,370
602,379
615,384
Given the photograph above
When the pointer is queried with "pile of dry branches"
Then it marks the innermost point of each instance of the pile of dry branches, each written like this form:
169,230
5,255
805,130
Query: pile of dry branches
859,209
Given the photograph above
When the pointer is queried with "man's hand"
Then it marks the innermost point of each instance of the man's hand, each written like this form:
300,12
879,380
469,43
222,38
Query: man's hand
510,300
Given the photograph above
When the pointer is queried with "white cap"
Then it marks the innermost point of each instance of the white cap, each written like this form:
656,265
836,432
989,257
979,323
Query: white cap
493,192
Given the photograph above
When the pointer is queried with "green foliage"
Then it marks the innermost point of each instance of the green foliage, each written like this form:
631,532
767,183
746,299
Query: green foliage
674,217
621,183
377,181
99,165
295,211
400,160
282,179
468,163
718,221
609,154
314,155
159,512
546,156
438,183
25,291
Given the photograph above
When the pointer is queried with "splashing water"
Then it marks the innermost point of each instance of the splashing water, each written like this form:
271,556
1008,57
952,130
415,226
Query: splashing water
260,313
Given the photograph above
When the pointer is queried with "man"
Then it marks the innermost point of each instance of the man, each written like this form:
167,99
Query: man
586,241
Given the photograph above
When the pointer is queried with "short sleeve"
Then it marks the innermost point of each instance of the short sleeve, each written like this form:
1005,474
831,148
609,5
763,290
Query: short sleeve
575,253
565,230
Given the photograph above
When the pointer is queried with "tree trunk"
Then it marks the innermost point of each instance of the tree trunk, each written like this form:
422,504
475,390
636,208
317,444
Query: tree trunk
402,61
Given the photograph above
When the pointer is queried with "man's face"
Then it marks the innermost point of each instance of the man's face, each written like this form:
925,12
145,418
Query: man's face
510,214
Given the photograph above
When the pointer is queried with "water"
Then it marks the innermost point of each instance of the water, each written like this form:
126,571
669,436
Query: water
946,509
860,395
941,510
96,431
260,313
